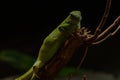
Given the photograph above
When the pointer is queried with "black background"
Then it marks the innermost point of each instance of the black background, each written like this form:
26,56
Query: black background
24,25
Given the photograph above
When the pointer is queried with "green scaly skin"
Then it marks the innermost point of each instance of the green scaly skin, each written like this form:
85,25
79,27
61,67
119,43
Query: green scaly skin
53,42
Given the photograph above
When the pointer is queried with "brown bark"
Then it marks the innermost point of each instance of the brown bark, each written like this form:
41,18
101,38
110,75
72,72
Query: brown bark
50,70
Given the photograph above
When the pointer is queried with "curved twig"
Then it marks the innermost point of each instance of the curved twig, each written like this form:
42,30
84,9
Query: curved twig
104,18
109,28
108,36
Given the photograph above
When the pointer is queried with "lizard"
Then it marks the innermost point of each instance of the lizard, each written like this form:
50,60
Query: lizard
53,42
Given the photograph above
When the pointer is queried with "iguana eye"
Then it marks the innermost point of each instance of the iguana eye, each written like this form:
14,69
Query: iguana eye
73,16
74,19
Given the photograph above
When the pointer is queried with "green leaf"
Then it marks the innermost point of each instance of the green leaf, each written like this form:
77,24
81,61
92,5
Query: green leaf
16,59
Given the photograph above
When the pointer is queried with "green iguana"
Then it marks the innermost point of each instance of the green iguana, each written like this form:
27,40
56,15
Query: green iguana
53,42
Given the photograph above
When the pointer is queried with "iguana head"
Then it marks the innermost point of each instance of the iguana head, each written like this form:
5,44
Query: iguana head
75,17
71,23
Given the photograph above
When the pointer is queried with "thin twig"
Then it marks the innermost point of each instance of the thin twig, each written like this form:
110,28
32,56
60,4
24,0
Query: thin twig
104,18
109,28
79,66
108,36
83,58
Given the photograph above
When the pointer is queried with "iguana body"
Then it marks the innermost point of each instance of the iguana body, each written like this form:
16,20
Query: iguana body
54,41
